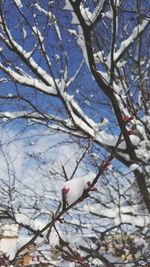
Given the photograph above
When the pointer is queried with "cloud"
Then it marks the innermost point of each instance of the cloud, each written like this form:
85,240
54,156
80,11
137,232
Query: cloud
31,166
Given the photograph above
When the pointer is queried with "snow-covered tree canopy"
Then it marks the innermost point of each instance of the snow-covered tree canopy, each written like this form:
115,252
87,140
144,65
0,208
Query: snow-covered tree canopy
74,80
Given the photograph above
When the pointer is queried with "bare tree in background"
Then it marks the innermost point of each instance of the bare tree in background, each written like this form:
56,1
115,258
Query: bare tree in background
77,72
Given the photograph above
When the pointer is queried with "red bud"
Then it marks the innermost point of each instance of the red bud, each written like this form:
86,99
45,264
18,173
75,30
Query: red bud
137,110
94,189
65,190
105,164
130,132
89,183
127,118
131,118
80,258
61,220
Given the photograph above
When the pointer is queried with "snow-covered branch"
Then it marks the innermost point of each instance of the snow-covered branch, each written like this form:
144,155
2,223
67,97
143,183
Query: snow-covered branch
29,81
138,30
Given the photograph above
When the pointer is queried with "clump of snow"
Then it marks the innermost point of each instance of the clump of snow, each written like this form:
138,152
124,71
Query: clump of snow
98,57
73,32
134,167
53,238
24,33
108,14
96,262
23,218
108,139
135,139
10,95
85,13
121,63
74,188
3,80
18,3
95,156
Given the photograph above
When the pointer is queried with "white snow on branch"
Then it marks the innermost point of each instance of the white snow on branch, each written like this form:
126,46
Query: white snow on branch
88,126
74,188
135,220
99,57
126,214
52,18
97,11
108,14
134,167
41,39
38,33
81,43
29,81
125,44
26,56
18,3
28,114
73,32
12,115
71,80
104,139
80,36
63,79
86,14
108,140
90,17
47,13
24,33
